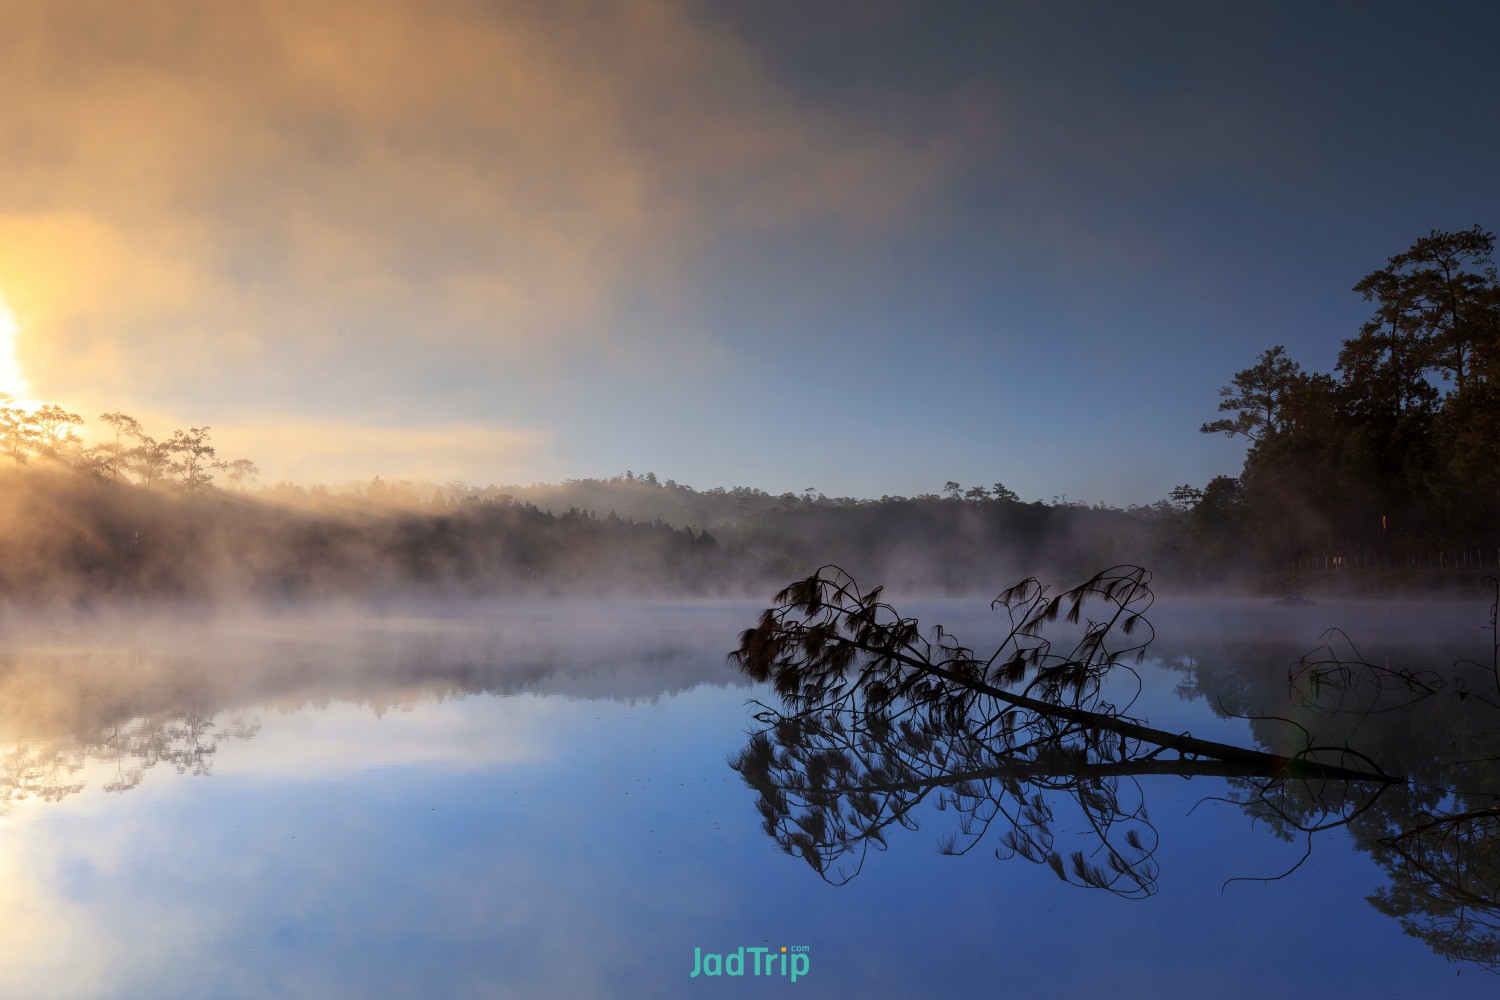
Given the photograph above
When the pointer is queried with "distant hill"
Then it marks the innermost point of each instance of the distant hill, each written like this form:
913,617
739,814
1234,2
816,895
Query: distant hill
70,536
68,533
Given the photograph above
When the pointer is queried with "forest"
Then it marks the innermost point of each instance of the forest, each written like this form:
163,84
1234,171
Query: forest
1382,476
1392,460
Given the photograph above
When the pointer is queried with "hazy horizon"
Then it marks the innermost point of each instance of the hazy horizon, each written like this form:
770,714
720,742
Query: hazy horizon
521,243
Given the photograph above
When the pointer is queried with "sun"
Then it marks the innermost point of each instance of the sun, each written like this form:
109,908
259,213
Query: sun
12,382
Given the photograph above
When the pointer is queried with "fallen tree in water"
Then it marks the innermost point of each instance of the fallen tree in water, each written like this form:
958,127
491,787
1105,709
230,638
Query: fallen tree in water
878,715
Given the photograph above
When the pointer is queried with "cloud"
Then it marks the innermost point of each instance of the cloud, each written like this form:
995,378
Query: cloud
323,451
195,192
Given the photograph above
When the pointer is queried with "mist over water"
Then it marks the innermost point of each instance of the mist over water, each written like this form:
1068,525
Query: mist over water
64,669
514,499
450,796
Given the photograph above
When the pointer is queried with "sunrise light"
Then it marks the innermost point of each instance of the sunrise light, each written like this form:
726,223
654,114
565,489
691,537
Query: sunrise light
12,382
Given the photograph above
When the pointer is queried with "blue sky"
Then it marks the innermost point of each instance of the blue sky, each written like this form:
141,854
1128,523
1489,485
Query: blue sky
863,247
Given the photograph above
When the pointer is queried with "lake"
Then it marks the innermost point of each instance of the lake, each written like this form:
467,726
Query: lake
536,800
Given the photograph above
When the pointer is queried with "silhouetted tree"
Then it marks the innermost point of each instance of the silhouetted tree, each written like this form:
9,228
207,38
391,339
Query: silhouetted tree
1258,397
124,427
1185,497
1436,300
1001,492
55,429
150,459
18,431
193,459
240,472
1383,459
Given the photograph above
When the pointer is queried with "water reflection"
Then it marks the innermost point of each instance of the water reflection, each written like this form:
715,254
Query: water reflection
426,802
879,726
1431,715
104,701
390,830
50,769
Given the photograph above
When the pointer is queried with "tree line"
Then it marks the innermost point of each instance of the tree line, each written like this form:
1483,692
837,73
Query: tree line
1393,454
187,459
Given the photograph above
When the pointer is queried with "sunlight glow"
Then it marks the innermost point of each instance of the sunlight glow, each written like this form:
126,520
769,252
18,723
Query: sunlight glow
12,382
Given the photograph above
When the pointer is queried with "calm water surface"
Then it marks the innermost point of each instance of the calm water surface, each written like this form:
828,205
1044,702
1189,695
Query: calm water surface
536,801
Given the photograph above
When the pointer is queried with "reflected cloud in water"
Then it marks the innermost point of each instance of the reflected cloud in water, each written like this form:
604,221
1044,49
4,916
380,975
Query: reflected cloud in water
106,699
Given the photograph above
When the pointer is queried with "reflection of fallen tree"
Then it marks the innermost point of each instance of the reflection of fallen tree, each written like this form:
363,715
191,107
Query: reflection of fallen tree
1438,840
1437,837
1445,884
1444,863
878,717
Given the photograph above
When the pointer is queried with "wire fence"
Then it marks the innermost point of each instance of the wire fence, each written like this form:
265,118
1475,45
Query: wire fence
1467,558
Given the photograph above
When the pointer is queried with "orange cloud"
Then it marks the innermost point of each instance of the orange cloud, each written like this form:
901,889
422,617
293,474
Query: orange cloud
332,452
194,188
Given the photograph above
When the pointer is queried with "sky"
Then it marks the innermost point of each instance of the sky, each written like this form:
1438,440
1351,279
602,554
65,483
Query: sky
862,247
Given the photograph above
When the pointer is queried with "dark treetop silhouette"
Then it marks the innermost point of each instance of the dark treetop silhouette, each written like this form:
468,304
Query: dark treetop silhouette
877,717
